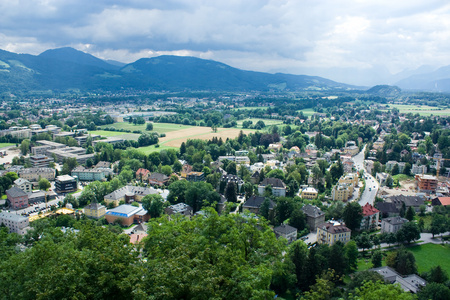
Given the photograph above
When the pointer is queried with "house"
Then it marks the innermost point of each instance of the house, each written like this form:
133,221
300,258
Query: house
158,179
24,185
418,169
342,192
409,201
34,174
370,218
129,194
314,216
393,224
179,209
410,283
65,184
195,176
331,232
15,223
142,174
17,198
445,201
234,179
95,210
278,187
382,177
387,209
309,193
286,231
127,215
253,204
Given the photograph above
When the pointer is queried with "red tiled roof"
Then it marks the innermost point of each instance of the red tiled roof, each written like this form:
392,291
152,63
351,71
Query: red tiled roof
368,210
444,200
142,171
137,238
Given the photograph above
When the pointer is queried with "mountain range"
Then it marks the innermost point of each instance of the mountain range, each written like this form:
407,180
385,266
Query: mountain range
69,69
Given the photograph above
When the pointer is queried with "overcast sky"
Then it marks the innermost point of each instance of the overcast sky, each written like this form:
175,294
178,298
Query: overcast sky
355,41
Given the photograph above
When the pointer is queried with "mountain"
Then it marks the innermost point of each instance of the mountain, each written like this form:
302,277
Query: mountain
437,80
66,68
384,90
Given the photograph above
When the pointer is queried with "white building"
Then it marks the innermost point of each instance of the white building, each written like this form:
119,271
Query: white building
15,223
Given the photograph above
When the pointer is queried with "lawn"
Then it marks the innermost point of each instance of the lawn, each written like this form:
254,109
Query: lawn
307,112
402,177
124,135
431,255
158,127
251,107
6,145
423,110
267,122
149,149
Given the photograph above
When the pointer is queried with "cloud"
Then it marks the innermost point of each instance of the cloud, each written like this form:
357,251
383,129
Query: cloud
264,35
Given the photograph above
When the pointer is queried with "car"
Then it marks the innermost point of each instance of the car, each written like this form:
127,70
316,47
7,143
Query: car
370,189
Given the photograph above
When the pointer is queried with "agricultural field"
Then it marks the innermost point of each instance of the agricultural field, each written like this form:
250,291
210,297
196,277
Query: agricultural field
158,127
423,110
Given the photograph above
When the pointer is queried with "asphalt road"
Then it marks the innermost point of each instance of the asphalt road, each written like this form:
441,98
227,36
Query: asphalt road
372,186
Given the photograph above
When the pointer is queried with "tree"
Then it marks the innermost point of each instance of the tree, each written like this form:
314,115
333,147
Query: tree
377,257
351,252
389,181
297,219
395,170
407,169
149,127
379,291
166,170
410,213
436,274
231,192
154,204
44,184
363,241
298,255
403,261
337,259
283,209
25,146
408,232
364,276
438,224
435,291
352,215
231,168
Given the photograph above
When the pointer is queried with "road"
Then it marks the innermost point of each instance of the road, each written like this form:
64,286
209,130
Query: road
372,186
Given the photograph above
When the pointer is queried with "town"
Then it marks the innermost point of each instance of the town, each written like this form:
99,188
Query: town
345,186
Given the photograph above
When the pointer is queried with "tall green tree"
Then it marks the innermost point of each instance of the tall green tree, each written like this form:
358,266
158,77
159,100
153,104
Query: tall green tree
352,215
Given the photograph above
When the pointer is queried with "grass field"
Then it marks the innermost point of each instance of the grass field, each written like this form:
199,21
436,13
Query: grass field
308,112
431,255
423,110
158,127
124,135
402,177
6,145
251,107
268,122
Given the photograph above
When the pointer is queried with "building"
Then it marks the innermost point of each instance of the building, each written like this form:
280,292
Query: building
142,174
70,152
390,165
237,159
351,179
418,169
309,193
342,192
195,176
24,185
65,184
95,210
129,194
314,216
371,215
179,209
40,161
382,178
409,201
278,187
392,225
352,150
410,283
41,196
127,214
17,198
93,174
387,209
109,140
253,204
15,223
34,174
234,179
426,183
445,201
331,232
158,179
286,231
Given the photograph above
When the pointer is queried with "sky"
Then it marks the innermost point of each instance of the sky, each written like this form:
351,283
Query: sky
353,41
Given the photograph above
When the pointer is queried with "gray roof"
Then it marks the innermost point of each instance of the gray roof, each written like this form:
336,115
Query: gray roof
274,182
12,217
21,181
395,220
257,201
408,200
388,273
94,205
284,229
387,207
132,190
312,211
411,283
16,192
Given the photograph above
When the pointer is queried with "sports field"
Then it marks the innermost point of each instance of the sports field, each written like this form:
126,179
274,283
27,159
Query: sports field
422,110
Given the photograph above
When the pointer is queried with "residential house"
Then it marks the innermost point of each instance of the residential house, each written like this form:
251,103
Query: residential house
286,231
409,201
179,209
393,224
314,216
142,174
24,185
17,198
158,179
195,176
278,187
387,209
15,223
382,177
370,218
331,232
309,193
445,201
253,204
234,179
418,169
127,214
129,194
95,210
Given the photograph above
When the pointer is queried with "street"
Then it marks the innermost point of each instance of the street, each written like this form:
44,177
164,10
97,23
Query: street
369,194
